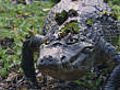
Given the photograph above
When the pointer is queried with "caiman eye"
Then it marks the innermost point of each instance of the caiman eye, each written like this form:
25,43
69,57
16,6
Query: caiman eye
87,50
72,41
56,44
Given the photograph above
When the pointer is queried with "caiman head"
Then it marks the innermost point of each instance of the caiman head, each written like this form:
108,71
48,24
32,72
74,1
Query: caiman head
68,58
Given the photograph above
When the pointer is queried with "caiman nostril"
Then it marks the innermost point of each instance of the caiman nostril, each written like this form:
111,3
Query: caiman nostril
62,57
41,61
47,58
50,58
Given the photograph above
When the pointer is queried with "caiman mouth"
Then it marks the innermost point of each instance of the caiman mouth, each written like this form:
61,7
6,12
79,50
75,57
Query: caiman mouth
62,61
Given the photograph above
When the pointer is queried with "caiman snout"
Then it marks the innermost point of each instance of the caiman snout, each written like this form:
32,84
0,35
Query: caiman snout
47,61
57,58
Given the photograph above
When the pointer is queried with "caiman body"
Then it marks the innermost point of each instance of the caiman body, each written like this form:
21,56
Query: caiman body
77,36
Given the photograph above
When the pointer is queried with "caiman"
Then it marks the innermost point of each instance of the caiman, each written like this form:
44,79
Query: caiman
77,35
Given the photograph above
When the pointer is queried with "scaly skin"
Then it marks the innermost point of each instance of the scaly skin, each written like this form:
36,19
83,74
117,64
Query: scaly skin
69,55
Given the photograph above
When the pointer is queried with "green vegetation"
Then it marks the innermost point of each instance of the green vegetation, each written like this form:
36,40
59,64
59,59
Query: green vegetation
61,17
71,27
89,22
72,12
16,21
55,1
115,4
64,15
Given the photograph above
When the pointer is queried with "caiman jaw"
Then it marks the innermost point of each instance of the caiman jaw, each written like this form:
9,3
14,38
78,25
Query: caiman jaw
61,61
